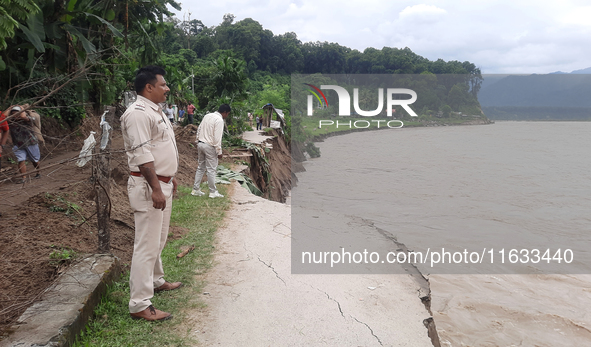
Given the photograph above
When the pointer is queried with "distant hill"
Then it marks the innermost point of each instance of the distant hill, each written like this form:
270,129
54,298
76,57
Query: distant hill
582,71
556,96
552,90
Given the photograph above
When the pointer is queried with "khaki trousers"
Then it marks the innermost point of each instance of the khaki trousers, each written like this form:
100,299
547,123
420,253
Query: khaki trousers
208,161
151,231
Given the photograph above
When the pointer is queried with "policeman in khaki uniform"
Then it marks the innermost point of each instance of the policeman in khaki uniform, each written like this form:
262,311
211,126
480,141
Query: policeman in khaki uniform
153,162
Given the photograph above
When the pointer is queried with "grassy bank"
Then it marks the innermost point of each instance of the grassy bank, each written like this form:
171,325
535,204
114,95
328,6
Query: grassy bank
112,325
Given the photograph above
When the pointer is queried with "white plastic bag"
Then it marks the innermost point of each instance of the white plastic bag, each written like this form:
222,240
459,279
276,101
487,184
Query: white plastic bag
106,127
86,152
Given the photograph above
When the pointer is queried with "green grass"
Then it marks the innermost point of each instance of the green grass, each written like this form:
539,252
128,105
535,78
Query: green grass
112,325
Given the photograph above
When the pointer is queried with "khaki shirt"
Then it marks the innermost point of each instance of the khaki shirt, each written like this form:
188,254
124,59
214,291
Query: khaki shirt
146,129
211,130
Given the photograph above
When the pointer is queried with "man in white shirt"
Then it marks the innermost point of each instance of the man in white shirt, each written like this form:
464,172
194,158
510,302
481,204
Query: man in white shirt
209,146
169,113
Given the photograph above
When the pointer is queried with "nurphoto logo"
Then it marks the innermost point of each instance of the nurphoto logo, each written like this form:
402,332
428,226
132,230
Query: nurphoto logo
345,100
393,98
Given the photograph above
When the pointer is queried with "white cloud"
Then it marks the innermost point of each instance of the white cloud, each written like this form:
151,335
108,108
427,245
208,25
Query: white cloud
423,13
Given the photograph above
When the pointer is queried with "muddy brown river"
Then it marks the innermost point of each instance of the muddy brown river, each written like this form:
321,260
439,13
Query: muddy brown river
509,202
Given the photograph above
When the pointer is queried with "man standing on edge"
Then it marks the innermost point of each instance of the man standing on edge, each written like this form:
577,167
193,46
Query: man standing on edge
190,112
209,147
152,156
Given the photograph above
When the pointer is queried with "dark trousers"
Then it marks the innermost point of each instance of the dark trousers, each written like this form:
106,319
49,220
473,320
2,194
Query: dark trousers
190,118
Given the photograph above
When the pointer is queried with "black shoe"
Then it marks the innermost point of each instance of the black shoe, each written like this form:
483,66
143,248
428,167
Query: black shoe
38,175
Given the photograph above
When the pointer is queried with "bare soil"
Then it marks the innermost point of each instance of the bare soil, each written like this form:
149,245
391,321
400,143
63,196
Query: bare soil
57,213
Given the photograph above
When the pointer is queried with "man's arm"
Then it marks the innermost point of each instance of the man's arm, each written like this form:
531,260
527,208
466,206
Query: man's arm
149,172
218,133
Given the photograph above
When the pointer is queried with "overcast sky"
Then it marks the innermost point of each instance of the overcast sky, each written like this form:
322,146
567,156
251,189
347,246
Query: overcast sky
498,36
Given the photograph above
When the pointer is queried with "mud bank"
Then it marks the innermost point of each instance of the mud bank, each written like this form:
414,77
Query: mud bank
270,167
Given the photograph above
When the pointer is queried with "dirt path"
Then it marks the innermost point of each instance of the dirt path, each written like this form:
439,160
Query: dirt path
254,300
52,178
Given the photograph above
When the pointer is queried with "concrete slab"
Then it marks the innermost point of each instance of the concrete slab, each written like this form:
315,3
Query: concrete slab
255,137
67,305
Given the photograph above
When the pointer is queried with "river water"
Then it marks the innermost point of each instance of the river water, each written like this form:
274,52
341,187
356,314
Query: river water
487,190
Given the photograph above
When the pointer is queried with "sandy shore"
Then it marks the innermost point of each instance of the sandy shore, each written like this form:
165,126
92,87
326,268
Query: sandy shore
254,300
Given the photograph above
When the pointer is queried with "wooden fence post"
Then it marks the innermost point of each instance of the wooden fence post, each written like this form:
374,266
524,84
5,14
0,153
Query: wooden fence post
102,177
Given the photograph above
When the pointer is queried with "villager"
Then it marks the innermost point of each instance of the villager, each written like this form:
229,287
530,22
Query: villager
36,123
170,113
209,148
25,142
250,119
152,156
190,112
181,115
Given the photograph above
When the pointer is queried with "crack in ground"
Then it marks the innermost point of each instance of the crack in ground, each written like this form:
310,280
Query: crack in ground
424,291
272,268
278,224
338,304
370,329
268,265
329,298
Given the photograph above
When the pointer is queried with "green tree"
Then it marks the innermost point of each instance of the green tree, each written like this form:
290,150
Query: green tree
446,110
11,11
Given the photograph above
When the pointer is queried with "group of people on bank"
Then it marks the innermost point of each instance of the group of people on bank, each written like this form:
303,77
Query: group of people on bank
170,113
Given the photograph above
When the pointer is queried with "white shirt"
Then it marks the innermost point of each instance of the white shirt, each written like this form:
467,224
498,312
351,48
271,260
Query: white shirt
169,112
211,131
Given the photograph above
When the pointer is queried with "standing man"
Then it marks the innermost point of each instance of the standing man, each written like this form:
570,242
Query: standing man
152,156
26,144
209,147
181,115
190,112
169,113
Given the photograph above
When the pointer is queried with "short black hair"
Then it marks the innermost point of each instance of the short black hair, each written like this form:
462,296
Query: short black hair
146,75
224,108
